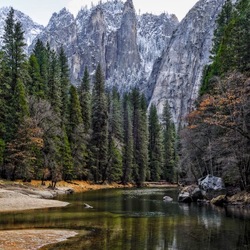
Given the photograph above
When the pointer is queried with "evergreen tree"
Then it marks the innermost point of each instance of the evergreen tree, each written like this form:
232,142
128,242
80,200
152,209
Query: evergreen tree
42,55
85,100
54,87
35,86
15,73
169,155
155,145
140,137
99,139
4,88
66,158
65,83
75,116
114,164
20,100
13,47
143,141
128,141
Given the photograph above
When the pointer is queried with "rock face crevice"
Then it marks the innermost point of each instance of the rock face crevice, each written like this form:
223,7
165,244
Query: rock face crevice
177,77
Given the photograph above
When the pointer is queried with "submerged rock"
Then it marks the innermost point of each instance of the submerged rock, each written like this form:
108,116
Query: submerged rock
189,194
184,197
220,200
167,198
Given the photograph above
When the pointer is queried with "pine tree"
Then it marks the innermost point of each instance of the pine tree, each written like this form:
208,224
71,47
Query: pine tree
143,141
66,157
13,47
128,141
54,87
140,137
85,100
75,116
15,73
77,136
99,139
155,145
114,164
65,83
42,55
3,110
35,86
169,155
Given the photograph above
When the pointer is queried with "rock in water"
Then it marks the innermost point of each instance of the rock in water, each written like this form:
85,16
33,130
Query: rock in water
167,198
87,205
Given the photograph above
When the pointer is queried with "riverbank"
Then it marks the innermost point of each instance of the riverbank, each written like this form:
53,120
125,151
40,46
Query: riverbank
18,196
32,239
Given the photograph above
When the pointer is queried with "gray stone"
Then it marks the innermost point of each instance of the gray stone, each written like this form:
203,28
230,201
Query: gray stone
184,197
211,186
211,182
196,194
167,198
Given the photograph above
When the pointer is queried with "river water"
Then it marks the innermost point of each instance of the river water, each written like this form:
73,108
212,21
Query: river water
138,219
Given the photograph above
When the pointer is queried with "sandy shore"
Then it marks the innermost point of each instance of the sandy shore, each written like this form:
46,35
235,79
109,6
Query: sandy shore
18,196
32,239
16,200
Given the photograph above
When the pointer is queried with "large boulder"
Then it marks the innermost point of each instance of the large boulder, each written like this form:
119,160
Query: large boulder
211,186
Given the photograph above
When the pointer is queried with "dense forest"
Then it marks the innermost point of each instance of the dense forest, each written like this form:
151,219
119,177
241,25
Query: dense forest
217,138
52,130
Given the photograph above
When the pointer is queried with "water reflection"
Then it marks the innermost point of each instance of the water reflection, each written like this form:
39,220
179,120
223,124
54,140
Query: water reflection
137,219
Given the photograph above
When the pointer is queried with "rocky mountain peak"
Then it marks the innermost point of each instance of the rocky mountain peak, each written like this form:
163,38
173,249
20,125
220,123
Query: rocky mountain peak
177,77
129,6
31,29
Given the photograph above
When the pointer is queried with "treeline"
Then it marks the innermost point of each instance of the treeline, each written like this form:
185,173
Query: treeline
217,139
50,129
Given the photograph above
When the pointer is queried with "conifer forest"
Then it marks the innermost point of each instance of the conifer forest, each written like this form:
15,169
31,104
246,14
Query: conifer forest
53,130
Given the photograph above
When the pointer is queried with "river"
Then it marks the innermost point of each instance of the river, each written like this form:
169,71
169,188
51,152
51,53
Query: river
138,219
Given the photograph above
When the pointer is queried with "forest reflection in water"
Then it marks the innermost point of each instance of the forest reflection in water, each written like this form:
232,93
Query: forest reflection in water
138,219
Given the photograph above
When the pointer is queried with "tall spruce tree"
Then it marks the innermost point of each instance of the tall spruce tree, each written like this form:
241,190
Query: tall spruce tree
15,72
34,84
66,157
65,83
75,116
168,144
42,55
99,139
13,47
114,164
155,145
85,100
128,141
140,137
54,86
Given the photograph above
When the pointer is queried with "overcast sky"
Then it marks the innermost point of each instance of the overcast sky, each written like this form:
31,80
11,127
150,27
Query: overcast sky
41,10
